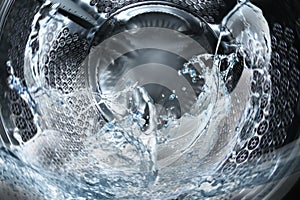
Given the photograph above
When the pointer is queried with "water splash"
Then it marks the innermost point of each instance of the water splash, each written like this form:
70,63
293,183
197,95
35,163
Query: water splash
128,154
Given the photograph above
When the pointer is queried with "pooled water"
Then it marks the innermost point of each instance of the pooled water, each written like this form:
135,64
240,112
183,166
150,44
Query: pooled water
139,150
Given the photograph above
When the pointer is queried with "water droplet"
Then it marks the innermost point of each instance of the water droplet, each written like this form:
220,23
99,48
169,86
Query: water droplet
172,97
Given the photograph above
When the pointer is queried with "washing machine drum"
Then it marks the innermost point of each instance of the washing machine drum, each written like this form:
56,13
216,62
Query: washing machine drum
176,99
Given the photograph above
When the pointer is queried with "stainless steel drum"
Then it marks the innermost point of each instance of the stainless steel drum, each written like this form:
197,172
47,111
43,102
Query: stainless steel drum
141,99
